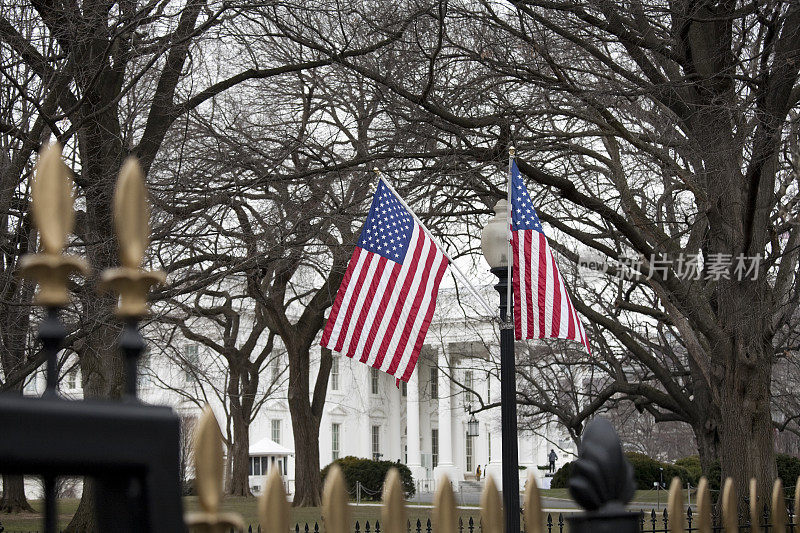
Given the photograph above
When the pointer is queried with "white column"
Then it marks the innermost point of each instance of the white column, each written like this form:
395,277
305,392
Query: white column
495,466
445,466
395,451
412,417
365,427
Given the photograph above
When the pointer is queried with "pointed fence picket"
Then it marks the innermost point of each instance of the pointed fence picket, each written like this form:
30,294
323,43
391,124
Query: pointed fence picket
274,512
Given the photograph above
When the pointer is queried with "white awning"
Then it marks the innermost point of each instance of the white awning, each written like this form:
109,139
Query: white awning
269,447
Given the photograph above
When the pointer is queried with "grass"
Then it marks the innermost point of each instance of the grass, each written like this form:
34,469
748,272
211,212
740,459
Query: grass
640,496
248,509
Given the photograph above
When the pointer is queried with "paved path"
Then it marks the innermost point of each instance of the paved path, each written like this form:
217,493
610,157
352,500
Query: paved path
550,505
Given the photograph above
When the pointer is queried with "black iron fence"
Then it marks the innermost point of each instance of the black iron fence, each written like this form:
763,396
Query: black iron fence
651,521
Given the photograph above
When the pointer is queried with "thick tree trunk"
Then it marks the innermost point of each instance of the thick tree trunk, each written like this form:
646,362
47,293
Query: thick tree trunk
100,361
746,433
239,485
306,416
742,372
707,438
305,425
84,519
13,500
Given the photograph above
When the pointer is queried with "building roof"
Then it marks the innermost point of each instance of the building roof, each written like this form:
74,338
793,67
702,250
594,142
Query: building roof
269,447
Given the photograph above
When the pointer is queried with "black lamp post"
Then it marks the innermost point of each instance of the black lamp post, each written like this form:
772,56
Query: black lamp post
494,243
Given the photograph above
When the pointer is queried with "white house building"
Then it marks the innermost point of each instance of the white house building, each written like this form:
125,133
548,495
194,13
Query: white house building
422,424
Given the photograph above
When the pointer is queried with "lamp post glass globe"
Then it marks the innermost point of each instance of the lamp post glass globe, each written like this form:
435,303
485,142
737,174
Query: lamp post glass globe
472,427
494,239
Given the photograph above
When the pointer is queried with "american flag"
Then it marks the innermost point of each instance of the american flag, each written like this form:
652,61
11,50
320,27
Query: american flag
542,306
386,300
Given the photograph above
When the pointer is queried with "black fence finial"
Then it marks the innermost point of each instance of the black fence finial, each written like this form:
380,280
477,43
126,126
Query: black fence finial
602,483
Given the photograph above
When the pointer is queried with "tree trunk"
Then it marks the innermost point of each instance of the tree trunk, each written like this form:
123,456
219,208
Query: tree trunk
305,425
13,500
746,433
102,376
707,438
240,454
84,518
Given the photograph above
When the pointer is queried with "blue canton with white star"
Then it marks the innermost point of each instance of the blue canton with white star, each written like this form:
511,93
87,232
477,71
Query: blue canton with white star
523,215
389,226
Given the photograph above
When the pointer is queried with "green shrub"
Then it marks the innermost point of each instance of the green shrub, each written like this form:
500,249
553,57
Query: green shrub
371,475
714,478
692,464
788,471
561,477
646,471
687,469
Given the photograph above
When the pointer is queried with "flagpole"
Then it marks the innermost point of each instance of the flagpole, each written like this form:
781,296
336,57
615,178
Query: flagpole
472,289
511,152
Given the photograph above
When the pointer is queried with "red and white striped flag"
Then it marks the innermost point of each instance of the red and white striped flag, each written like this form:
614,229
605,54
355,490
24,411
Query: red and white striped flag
542,306
386,300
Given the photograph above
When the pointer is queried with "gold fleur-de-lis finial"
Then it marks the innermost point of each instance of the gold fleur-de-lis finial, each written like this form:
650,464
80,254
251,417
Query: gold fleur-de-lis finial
491,508
208,479
533,506
132,224
273,507
335,509
393,510
51,204
444,506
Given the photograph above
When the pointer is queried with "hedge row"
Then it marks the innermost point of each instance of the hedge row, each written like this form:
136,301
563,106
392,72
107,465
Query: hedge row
646,471
371,475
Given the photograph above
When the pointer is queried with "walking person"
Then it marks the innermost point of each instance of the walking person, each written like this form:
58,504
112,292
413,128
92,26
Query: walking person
552,457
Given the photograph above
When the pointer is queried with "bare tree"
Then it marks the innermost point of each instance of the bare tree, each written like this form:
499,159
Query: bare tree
109,80
215,319
652,129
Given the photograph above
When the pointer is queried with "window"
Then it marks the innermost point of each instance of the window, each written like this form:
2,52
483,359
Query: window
276,369
376,443
276,430
335,373
72,378
434,383
434,448
470,458
191,356
405,454
335,428
404,386
32,383
374,376
255,466
469,384
489,446
489,387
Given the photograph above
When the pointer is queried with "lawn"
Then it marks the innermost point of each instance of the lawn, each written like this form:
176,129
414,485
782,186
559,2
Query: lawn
310,515
247,507
640,497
